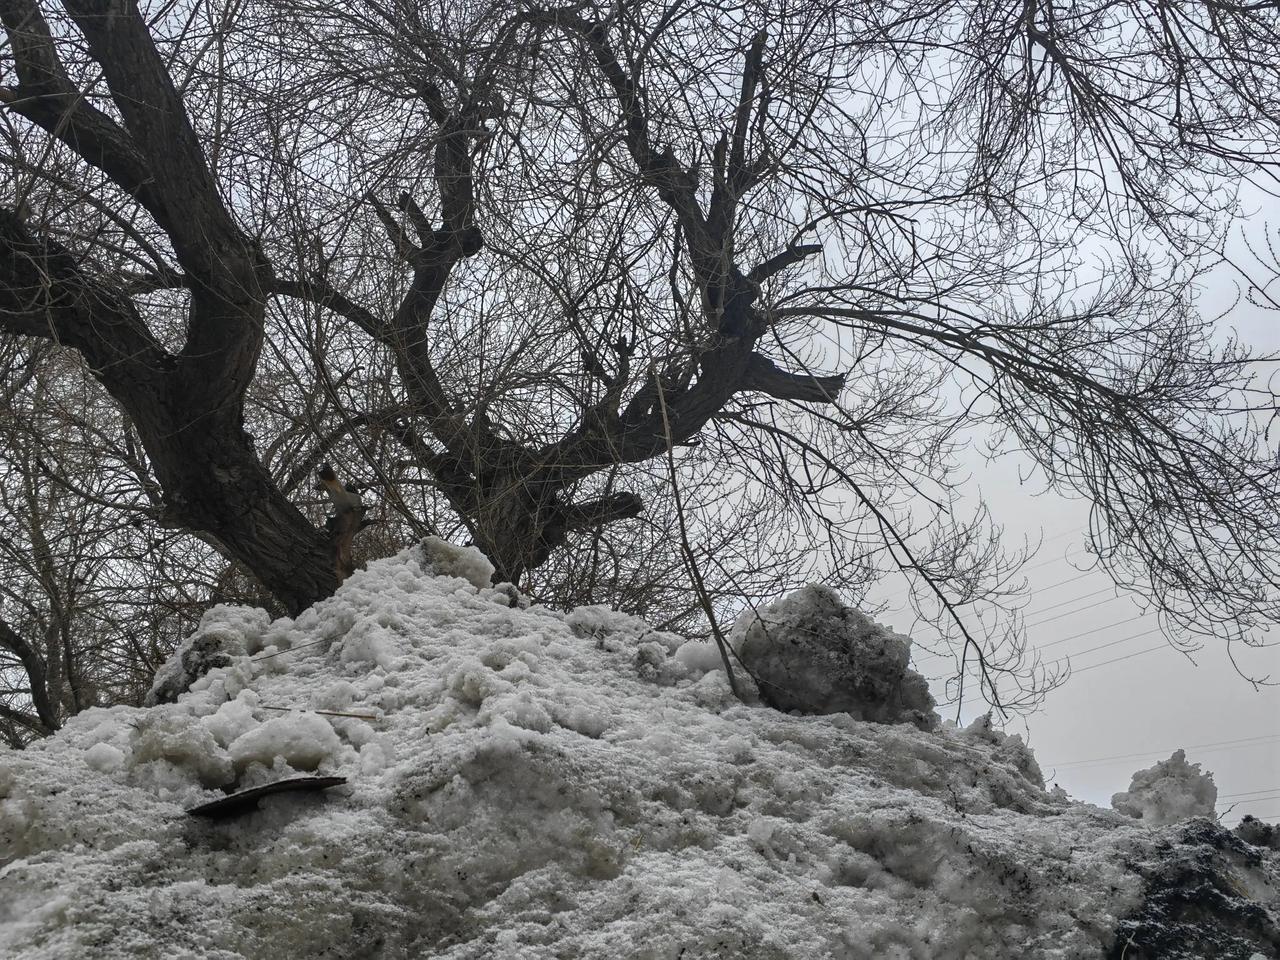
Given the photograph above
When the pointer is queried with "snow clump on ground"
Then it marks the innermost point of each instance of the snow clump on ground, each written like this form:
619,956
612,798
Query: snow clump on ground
1170,791
448,560
524,783
219,637
810,653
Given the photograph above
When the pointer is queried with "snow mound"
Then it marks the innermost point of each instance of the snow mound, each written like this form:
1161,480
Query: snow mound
1170,791
810,653
528,784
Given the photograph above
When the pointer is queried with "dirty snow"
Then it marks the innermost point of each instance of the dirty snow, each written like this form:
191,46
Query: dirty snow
813,654
530,784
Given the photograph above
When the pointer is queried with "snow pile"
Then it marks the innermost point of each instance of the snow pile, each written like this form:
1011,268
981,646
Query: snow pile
811,653
529,784
1171,790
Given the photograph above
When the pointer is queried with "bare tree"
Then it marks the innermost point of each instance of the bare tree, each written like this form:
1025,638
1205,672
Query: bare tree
502,259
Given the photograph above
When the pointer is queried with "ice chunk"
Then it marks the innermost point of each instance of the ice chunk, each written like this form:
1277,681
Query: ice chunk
170,749
1169,791
1009,746
1258,833
811,653
699,656
233,719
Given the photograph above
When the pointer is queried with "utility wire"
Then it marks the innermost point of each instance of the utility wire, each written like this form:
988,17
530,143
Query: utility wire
1070,613
1274,796
1150,753
1043,563
1128,656
1102,646
1052,560
1248,793
1065,603
1064,583
929,654
1086,633
1067,613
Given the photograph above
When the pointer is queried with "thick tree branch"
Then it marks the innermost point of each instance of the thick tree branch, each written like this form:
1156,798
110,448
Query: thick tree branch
44,292
25,719
740,173
224,327
457,238
208,243
598,513
763,375
322,293
213,482
780,261
727,295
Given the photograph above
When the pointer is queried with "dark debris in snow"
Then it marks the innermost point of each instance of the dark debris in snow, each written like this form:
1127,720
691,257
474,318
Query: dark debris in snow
243,801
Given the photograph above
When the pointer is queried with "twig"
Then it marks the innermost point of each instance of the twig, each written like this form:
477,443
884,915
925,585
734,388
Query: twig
309,643
327,713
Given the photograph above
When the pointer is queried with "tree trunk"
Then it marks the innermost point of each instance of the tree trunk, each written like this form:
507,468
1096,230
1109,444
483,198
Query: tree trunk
214,483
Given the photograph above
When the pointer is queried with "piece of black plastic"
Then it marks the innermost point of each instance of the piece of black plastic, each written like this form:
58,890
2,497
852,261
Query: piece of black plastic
242,801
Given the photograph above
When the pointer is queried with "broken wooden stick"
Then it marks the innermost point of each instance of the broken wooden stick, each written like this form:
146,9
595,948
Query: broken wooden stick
345,522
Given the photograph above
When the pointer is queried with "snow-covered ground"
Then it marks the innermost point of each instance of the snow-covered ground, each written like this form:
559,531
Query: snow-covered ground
529,784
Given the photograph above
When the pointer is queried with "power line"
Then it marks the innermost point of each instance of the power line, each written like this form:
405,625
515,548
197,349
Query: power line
1064,603
1066,556
1248,793
1274,796
1103,646
1150,753
1104,663
930,654
1044,563
1086,633
1069,613
1063,583
1128,656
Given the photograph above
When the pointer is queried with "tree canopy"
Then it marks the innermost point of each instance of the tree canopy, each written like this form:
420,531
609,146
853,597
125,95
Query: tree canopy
564,280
